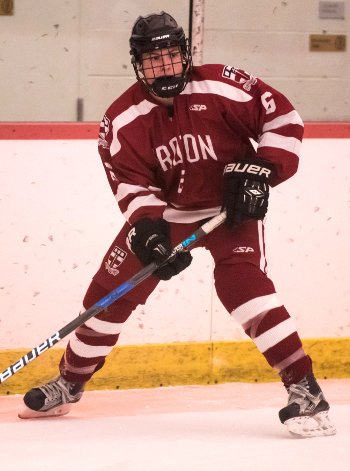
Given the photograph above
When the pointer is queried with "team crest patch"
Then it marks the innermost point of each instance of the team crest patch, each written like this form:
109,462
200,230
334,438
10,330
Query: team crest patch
104,130
105,124
239,76
115,259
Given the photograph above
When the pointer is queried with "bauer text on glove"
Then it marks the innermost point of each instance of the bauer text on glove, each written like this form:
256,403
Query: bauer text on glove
246,190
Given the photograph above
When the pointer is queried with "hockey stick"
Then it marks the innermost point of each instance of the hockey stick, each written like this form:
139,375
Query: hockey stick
117,293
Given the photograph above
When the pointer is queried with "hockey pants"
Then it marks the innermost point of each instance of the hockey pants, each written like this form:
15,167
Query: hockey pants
241,284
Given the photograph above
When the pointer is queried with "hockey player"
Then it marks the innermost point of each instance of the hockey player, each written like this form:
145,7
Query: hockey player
176,148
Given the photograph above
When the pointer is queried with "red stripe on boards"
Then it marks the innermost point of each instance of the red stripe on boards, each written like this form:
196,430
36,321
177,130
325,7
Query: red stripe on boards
327,130
23,131
89,130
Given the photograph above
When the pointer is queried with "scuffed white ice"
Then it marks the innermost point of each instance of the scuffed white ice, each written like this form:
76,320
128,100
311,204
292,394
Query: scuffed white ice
221,440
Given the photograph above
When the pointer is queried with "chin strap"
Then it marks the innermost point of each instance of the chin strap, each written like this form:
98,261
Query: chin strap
166,87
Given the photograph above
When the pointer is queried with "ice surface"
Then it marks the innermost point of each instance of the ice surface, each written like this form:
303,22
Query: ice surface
224,427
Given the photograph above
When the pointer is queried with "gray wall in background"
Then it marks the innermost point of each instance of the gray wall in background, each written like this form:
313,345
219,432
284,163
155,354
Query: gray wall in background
53,52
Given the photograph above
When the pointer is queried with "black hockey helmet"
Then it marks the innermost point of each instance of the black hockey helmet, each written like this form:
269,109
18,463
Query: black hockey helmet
160,31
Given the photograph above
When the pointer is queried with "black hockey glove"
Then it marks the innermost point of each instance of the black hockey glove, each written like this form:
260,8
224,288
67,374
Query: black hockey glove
246,190
150,242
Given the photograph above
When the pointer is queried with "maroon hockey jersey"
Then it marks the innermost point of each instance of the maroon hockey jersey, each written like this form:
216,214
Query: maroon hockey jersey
163,162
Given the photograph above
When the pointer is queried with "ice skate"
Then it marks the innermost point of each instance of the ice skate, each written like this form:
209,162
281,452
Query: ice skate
306,414
52,399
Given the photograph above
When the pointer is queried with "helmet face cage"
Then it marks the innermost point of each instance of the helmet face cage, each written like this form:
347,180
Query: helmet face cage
158,42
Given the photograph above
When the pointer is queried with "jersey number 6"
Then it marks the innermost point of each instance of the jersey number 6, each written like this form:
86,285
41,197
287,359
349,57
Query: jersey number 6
268,102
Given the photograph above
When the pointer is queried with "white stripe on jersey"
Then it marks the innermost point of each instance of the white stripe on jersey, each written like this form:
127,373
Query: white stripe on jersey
282,365
142,201
270,139
88,351
247,311
127,117
81,370
217,88
276,334
125,189
292,117
261,247
103,327
186,217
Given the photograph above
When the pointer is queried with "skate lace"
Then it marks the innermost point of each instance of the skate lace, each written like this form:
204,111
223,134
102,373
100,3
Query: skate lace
55,391
300,393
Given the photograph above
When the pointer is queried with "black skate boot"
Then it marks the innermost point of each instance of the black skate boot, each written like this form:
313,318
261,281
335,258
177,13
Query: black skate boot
51,399
306,414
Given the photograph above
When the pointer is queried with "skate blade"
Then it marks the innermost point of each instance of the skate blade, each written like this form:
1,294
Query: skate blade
317,426
27,413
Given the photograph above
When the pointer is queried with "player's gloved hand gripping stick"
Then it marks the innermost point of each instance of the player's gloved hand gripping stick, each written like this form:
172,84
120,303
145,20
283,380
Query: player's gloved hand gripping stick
117,293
